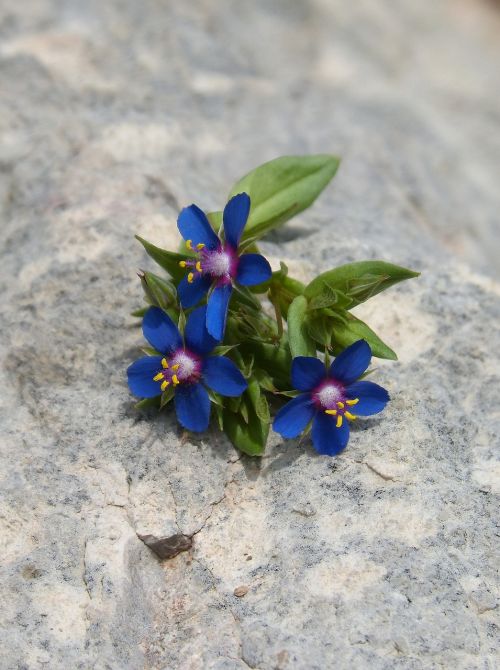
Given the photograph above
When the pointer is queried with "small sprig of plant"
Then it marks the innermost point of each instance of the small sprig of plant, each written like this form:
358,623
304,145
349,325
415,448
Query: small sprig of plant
225,332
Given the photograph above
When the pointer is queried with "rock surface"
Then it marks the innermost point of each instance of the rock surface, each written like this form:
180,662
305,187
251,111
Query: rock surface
113,115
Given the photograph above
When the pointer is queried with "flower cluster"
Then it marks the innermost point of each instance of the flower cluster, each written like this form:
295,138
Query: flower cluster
215,345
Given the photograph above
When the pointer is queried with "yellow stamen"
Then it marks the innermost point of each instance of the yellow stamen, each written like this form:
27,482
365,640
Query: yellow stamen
176,366
182,264
175,380
164,385
352,402
333,412
200,246
164,363
157,377
350,416
190,277
189,245
340,405
198,266
339,420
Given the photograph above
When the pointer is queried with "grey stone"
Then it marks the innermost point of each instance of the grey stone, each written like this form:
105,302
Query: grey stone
113,115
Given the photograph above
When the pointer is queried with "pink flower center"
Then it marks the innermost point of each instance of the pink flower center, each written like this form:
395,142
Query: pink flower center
181,367
220,264
330,398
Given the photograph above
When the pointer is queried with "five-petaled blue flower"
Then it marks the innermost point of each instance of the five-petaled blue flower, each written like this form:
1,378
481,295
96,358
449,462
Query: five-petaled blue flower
218,263
329,396
184,364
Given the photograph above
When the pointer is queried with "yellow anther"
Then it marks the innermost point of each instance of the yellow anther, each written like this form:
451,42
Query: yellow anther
339,420
157,377
333,412
189,245
175,380
340,405
200,246
198,266
352,402
190,277
164,385
349,416
164,363
176,366
182,264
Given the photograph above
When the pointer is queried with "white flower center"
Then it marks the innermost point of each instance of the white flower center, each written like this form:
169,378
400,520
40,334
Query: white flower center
329,395
186,365
219,264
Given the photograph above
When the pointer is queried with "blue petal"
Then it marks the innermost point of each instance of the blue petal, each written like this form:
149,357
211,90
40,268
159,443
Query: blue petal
196,335
140,377
327,439
372,398
291,420
352,362
192,406
191,293
235,217
222,375
194,225
160,331
217,306
253,269
307,373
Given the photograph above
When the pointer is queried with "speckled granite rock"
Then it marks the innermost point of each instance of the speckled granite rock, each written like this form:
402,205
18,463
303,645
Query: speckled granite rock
114,114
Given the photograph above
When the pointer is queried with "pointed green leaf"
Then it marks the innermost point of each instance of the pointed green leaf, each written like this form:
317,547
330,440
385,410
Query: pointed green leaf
282,188
167,396
354,329
223,349
215,219
358,281
148,403
319,329
262,409
168,260
249,437
158,291
139,313
300,340
150,351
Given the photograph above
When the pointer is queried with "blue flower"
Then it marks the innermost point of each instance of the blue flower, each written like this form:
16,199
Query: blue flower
184,364
330,398
218,264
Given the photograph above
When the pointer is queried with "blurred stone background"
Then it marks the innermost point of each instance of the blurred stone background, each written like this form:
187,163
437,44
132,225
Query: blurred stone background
114,115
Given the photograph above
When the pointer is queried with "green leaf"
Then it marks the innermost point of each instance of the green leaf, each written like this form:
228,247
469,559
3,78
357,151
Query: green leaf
262,409
329,298
139,313
301,343
215,219
243,295
282,188
150,351
215,397
222,349
354,329
168,260
358,281
219,413
148,403
319,329
167,396
181,324
274,358
265,380
249,437
159,291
